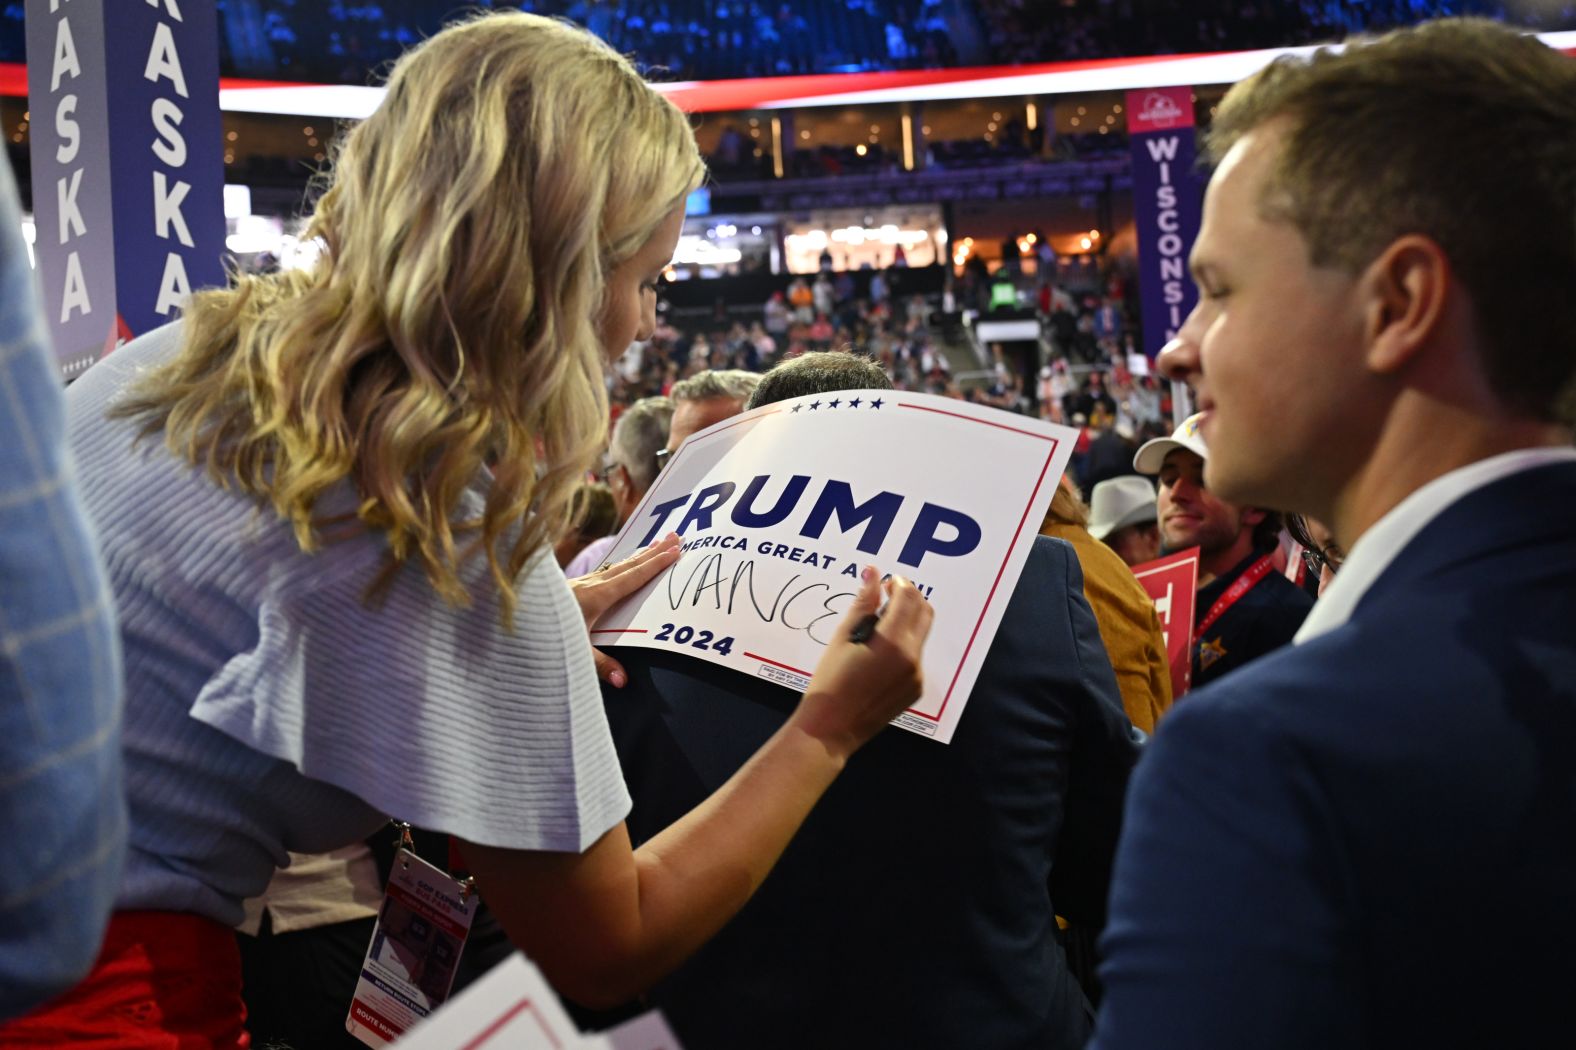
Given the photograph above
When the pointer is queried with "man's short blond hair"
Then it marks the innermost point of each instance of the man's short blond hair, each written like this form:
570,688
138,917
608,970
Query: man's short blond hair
1461,130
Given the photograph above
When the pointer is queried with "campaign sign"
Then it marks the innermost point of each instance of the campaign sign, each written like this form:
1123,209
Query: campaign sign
1172,582
781,507
1168,197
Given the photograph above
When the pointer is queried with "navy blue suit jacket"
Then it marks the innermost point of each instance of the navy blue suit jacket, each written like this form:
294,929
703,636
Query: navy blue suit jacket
1370,840
912,909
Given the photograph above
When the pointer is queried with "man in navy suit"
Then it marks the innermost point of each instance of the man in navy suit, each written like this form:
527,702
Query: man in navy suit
916,907
1369,839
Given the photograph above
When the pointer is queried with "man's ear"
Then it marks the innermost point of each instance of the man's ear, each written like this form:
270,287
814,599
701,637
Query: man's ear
1405,291
1251,516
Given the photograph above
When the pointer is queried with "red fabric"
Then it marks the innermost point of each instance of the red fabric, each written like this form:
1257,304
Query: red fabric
163,981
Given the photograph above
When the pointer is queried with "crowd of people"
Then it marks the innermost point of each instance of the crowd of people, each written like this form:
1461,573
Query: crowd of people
1020,31
281,570
340,41
1079,375
822,312
748,38
1086,302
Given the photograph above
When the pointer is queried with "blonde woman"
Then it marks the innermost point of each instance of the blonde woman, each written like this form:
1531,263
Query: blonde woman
327,502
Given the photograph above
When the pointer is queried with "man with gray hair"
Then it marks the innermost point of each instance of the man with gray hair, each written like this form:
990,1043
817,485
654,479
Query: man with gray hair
630,468
706,398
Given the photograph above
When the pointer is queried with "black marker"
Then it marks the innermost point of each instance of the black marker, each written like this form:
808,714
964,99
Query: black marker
862,630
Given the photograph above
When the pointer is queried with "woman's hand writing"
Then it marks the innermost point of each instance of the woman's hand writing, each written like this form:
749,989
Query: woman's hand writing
859,687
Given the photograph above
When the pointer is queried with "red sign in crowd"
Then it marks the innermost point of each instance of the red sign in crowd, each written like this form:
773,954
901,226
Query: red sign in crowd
1172,582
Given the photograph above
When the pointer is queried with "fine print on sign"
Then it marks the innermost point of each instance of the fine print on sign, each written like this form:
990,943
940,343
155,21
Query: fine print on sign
780,508
1172,582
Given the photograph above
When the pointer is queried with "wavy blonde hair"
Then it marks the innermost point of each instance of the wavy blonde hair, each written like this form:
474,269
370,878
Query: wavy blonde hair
451,324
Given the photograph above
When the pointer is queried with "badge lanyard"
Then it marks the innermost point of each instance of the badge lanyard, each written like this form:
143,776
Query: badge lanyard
1242,585
410,965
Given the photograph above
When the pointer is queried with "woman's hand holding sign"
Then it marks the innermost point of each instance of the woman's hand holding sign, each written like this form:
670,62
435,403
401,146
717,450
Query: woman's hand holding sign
860,686
599,591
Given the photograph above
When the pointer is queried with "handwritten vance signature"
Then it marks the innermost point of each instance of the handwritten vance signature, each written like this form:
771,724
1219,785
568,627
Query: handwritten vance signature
726,584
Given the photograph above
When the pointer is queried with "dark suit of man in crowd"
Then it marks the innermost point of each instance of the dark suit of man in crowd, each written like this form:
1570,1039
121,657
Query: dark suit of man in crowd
916,906
1368,839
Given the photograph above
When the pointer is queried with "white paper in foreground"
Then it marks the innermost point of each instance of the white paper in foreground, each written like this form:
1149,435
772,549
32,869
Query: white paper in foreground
781,507
646,1032
514,1008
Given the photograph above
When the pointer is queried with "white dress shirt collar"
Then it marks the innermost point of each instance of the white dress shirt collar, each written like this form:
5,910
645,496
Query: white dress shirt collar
1373,553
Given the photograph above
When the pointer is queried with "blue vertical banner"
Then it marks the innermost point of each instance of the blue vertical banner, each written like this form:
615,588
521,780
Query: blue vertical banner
127,171
1168,196
74,246
166,154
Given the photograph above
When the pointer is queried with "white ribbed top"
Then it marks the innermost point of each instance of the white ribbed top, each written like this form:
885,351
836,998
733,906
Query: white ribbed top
269,709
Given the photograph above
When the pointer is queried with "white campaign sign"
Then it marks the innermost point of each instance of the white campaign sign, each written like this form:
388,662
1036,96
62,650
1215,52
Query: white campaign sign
514,1008
780,508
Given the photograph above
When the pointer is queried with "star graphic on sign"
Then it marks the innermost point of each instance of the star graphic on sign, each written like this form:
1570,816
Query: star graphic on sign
853,402
875,403
834,402
797,407
814,405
